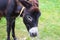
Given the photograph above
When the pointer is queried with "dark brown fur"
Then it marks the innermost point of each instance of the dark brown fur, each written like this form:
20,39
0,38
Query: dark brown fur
10,8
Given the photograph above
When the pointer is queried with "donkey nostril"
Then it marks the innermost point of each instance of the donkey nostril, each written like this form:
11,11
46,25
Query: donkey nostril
34,34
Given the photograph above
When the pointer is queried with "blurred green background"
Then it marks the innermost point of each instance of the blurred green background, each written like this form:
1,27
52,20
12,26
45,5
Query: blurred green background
49,23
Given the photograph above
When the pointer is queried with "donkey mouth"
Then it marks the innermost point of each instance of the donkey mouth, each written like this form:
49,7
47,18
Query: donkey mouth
33,31
33,34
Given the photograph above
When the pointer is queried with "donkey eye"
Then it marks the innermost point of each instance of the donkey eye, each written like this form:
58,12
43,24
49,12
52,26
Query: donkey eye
29,18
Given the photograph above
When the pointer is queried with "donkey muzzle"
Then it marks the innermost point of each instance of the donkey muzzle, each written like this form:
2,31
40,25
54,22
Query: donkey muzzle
33,31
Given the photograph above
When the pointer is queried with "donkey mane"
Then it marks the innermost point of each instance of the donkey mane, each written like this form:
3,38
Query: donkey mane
35,6
34,2
34,9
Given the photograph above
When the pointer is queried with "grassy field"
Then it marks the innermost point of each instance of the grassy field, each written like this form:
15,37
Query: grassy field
49,23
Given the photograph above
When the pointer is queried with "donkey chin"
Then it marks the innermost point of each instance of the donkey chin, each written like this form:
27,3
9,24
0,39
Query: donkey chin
33,31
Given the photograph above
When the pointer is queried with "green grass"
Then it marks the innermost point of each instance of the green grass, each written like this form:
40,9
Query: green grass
49,23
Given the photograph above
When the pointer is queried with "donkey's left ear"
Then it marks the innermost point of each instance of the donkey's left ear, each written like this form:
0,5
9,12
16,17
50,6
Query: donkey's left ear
25,3
35,11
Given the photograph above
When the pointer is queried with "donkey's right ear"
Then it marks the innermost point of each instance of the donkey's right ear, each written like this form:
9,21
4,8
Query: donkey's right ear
25,3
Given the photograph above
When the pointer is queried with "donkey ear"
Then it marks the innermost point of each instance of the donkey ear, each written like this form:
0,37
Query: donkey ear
35,11
25,3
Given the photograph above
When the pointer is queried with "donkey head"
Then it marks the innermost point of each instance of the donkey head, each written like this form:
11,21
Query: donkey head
30,18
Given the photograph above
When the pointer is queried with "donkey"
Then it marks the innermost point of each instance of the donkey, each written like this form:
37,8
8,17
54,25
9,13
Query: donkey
30,14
